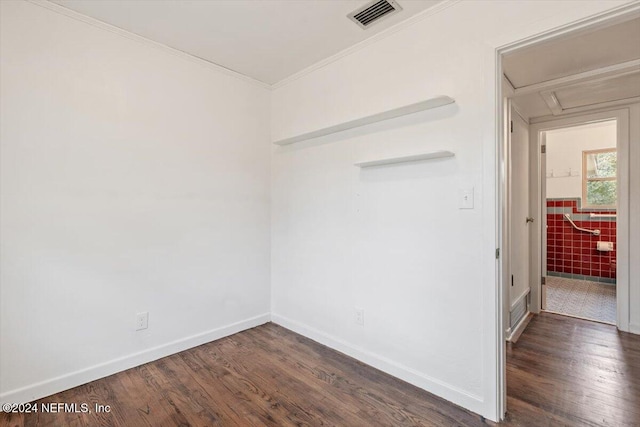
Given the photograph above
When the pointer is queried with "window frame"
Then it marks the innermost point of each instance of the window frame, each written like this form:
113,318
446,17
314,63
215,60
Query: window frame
586,179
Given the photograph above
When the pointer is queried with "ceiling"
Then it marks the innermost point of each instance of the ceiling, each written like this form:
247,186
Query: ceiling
268,40
588,69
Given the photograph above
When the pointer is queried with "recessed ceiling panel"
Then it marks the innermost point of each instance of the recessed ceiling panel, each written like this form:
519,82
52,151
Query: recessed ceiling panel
532,105
623,87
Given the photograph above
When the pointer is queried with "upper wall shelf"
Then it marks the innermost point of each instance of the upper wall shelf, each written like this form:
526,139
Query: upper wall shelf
405,159
385,115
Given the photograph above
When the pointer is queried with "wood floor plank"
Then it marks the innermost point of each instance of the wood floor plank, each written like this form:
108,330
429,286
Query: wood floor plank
371,386
561,372
336,406
274,405
250,398
565,371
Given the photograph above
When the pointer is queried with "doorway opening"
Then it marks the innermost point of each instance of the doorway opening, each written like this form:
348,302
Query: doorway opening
581,78
579,197
567,176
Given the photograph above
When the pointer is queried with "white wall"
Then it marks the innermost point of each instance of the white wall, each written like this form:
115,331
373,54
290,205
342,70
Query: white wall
634,218
564,153
132,180
135,180
392,240
519,210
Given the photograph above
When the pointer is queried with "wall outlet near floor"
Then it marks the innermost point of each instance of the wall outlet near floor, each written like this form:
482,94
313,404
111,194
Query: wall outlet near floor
359,316
142,321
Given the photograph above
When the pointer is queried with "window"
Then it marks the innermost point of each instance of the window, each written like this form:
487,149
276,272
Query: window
599,172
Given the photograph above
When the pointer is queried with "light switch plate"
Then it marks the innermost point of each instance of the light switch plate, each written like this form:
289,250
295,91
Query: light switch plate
465,198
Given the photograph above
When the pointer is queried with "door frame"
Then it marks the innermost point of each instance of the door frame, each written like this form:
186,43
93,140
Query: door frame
515,114
537,130
502,238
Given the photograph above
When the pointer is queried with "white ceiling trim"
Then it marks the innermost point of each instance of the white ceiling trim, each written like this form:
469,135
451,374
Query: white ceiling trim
602,108
373,39
591,76
148,42
620,13
608,104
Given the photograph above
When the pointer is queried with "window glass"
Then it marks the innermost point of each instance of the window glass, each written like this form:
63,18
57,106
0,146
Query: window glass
599,173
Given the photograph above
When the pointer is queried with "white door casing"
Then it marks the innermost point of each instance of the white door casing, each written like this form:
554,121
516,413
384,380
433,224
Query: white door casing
519,209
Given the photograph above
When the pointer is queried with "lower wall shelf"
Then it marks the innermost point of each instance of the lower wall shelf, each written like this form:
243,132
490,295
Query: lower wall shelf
405,159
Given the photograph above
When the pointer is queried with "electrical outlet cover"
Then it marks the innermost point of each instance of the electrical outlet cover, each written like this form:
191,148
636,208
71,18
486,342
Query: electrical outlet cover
359,316
142,321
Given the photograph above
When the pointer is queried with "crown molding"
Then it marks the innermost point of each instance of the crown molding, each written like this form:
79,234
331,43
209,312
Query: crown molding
371,40
145,41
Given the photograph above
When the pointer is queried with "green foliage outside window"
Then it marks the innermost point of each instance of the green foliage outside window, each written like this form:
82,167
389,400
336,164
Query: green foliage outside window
600,171
601,193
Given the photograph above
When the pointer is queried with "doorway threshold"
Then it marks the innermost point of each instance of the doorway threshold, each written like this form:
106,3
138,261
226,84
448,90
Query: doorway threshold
578,317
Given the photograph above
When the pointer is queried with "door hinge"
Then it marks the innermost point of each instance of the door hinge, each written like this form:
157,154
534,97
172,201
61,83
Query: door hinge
543,149
544,280
512,280
511,126
497,253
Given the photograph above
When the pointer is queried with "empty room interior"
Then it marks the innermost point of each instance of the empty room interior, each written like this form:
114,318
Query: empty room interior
309,212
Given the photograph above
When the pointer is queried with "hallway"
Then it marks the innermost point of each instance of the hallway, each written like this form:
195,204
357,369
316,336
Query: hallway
566,371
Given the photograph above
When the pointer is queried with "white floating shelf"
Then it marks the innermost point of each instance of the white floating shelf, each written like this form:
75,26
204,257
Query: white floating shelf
406,159
385,115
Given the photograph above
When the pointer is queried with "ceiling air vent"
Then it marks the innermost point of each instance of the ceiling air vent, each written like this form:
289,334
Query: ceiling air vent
373,12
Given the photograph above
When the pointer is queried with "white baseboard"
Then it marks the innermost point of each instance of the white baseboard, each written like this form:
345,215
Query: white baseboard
517,300
634,328
513,335
446,391
92,373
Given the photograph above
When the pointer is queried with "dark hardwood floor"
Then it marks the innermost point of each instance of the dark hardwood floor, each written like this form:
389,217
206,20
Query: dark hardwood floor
562,371
571,372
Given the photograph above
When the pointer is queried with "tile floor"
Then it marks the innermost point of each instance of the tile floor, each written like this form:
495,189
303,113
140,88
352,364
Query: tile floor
581,298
